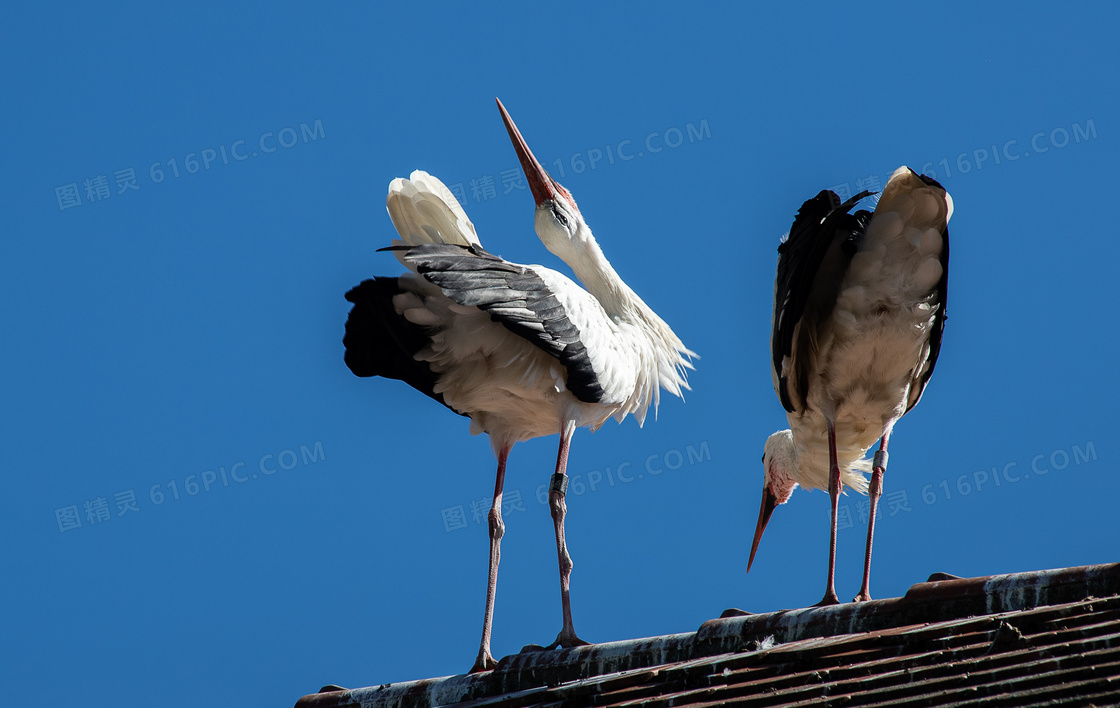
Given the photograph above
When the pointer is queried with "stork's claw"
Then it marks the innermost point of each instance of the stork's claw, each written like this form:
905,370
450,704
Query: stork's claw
562,641
484,662
829,599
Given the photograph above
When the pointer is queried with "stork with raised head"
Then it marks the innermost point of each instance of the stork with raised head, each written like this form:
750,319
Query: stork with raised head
859,310
521,349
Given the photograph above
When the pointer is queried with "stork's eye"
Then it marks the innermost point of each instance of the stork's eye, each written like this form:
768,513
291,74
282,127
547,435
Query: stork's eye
560,217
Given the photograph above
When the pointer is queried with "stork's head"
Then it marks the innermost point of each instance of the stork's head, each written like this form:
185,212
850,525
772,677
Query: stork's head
558,222
779,482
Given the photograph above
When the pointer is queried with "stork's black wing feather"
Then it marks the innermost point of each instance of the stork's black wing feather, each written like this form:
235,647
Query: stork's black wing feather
381,342
938,327
820,223
515,296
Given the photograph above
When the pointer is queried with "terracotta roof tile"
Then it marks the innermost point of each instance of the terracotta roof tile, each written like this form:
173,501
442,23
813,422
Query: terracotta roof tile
1044,638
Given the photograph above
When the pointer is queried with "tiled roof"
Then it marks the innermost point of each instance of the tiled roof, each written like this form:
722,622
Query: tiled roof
1045,638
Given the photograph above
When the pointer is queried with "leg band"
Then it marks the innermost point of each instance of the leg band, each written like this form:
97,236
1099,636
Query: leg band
880,459
559,484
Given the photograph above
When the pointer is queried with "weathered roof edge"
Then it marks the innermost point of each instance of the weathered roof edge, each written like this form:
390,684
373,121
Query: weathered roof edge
935,601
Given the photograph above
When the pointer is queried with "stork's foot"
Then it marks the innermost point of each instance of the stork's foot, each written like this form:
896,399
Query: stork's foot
828,599
863,596
484,662
563,641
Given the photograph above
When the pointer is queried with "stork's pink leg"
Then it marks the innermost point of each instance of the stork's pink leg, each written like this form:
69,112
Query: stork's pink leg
834,487
873,493
556,493
485,660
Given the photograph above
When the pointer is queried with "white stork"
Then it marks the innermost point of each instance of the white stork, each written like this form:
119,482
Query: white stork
521,349
859,310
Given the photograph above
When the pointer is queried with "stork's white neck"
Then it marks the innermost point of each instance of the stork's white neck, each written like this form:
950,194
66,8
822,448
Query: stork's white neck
808,458
599,278
658,357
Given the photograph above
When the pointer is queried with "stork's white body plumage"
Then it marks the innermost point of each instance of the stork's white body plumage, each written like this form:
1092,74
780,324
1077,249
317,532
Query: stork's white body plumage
859,311
521,349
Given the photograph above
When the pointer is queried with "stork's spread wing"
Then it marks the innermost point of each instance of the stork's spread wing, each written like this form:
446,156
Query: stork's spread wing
811,265
513,295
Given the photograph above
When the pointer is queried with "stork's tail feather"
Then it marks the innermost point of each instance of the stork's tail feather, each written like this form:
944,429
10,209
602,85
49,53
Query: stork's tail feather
424,210
905,243
381,342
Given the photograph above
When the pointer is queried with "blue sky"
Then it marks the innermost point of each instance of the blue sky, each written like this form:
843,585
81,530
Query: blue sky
188,193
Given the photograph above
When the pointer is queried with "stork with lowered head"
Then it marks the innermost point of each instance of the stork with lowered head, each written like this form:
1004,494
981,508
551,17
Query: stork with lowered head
859,310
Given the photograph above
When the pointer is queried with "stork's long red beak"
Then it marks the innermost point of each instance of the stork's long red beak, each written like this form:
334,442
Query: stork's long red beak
769,501
544,189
